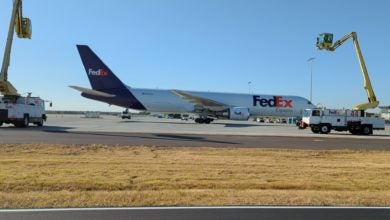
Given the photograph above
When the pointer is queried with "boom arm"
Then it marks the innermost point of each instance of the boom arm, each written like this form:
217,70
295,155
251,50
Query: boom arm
23,29
325,42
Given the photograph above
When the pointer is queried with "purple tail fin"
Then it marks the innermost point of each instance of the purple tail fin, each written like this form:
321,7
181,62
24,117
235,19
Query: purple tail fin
104,80
100,76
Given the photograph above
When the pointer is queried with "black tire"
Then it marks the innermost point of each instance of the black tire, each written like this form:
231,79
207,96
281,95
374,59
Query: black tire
1,124
353,131
200,120
19,124
207,121
23,123
26,121
40,123
324,129
315,129
366,130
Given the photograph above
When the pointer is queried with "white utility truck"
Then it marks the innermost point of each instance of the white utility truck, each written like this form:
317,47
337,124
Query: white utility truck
355,121
22,111
14,108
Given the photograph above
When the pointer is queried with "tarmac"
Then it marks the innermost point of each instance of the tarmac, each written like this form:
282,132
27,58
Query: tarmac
203,213
149,124
161,132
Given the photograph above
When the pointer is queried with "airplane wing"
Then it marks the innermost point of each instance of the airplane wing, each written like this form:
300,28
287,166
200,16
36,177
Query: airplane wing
200,102
92,92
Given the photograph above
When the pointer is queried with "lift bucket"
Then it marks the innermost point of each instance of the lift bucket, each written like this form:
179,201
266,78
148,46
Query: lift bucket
324,41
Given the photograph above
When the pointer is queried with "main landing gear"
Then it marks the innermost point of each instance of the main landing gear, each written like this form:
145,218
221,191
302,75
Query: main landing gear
202,120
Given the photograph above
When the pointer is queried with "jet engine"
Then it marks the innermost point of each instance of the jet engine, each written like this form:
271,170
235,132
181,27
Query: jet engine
239,113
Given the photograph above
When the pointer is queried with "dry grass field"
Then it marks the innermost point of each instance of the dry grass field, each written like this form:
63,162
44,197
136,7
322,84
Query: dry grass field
37,176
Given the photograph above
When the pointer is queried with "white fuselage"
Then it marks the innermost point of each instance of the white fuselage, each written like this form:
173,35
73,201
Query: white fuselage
106,87
166,101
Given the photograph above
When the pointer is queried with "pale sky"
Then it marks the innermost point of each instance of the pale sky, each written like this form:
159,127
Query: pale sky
202,45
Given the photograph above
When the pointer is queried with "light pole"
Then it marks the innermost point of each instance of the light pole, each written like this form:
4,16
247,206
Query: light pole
249,87
311,76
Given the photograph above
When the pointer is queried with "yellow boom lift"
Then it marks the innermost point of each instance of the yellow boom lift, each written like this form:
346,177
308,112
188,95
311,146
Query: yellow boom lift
22,28
325,40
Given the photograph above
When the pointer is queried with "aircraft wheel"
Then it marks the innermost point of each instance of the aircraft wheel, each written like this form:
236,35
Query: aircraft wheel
199,120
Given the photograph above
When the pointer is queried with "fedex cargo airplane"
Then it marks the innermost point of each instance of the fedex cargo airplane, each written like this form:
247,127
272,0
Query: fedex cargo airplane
106,87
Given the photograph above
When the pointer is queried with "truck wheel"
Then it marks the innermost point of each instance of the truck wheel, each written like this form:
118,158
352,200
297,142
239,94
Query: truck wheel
315,129
19,124
26,121
324,129
352,131
366,130
40,123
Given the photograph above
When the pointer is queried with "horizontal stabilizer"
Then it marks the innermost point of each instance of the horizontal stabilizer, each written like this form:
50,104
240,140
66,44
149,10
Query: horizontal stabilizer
92,92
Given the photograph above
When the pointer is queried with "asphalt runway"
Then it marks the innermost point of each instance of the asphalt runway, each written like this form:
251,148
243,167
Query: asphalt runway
203,213
53,135
151,131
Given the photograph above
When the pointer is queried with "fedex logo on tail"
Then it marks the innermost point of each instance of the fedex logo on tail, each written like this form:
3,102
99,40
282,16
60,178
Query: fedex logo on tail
99,72
276,101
